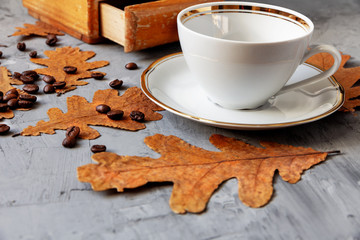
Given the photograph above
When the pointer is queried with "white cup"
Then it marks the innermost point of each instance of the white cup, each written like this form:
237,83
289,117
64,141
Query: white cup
243,53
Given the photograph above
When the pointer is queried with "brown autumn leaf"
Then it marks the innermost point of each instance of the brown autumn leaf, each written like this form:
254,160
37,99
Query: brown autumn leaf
347,77
6,82
68,56
39,28
81,113
197,172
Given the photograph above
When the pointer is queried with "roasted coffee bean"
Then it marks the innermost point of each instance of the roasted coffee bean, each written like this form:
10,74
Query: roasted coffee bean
28,97
25,104
4,128
48,79
31,73
131,66
51,36
12,91
72,132
116,83
115,114
17,75
27,79
103,108
70,69
7,97
21,46
49,88
59,85
12,103
97,75
51,40
1,53
98,148
3,107
31,88
1,95
69,142
137,116
33,54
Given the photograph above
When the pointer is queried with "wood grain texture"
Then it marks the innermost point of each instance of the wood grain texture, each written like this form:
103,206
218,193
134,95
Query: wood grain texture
112,23
79,18
41,197
137,27
153,23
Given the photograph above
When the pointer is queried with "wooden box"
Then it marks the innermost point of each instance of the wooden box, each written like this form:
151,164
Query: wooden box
133,24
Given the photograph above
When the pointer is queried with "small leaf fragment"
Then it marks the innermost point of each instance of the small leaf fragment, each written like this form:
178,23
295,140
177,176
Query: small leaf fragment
347,77
39,28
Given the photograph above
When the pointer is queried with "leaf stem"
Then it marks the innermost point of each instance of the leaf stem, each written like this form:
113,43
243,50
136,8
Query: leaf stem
335,152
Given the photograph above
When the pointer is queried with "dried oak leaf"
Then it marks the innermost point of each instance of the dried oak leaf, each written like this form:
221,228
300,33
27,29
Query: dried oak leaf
5,85
81,113
347,77
68,56
39,28
197,172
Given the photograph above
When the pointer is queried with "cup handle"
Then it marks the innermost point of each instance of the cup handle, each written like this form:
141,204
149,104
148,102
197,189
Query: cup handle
325,74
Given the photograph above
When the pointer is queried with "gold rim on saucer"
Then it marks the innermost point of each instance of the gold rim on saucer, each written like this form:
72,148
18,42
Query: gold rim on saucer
145,88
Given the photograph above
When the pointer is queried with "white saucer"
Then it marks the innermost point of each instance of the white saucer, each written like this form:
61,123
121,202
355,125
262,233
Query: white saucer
169,83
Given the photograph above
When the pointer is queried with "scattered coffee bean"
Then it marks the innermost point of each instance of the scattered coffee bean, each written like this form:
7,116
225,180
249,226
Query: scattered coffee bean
7,97
1,94
21,46
49,89
103,108
48,79
50,36
51,40
1,53
28,97
16,75
12,91
31,88
59,85
97,75
69,142
72,132
70,69
98,148
12,103
71,135
31,73
131,66
25,104
4,128
26,79
115,114
3,107
33,54
116,83
137,116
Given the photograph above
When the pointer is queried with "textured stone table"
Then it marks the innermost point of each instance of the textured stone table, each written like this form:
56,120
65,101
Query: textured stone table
41,197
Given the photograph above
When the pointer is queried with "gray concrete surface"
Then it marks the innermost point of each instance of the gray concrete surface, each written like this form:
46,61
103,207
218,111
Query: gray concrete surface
41,198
